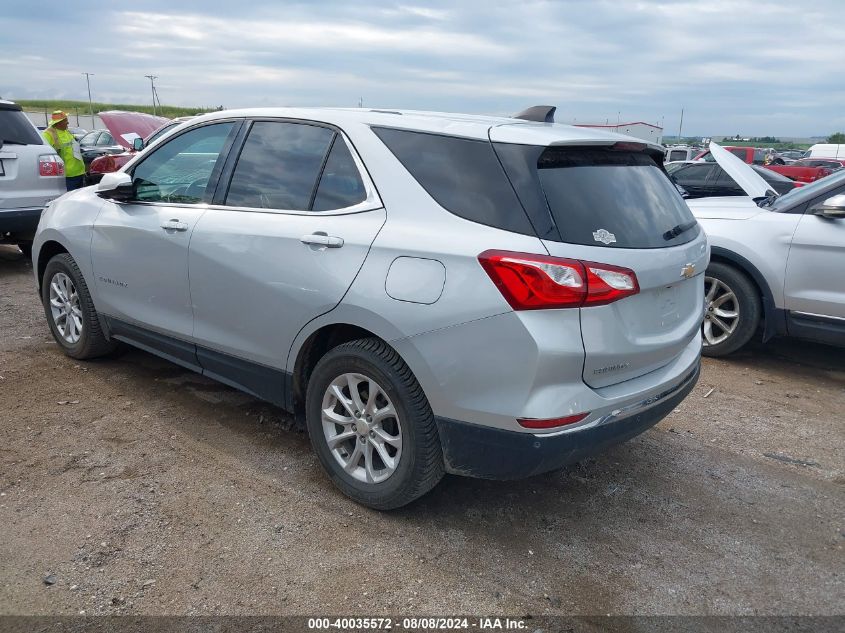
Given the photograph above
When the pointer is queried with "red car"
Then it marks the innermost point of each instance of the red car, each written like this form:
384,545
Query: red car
750,155
125,127
809,169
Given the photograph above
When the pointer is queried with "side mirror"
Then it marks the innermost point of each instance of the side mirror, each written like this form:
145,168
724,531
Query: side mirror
138,144
116,186
833,207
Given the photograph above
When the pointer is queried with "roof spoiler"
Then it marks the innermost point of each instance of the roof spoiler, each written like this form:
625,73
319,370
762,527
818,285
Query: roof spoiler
539,113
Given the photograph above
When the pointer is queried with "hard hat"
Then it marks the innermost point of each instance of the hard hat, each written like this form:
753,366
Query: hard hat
57,117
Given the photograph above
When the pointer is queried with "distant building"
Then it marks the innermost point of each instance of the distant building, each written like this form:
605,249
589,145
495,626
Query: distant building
638,129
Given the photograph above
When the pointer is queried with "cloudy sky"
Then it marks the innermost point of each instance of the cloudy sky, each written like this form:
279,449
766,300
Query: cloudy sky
752,67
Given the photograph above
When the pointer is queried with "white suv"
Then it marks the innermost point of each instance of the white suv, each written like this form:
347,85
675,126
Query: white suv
776,263
491,297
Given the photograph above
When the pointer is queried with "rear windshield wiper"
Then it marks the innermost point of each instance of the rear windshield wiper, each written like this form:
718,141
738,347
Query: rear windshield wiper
675,231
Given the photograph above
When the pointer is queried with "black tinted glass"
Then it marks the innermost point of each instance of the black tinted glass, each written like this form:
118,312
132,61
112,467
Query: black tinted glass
105,139
89,139
692,174
179,170
612,198
340,185
462,175
279,166
15,129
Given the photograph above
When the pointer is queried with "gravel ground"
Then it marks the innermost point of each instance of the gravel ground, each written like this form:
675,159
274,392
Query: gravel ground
132,486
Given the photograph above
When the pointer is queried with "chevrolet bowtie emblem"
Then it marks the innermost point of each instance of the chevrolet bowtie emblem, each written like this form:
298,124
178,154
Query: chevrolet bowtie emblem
688,271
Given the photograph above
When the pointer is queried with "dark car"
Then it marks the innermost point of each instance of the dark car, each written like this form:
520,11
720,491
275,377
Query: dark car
98,143
706,180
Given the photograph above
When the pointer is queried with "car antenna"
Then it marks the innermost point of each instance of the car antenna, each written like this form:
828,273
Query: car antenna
539,113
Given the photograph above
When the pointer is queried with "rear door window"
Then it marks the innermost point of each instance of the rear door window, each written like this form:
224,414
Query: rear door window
617,199
279,166
15,129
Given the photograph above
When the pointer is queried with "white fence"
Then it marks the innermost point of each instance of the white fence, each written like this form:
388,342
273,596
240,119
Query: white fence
75,119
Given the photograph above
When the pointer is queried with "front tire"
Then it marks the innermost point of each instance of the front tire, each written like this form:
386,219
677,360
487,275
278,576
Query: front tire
371,425
70,311
732,310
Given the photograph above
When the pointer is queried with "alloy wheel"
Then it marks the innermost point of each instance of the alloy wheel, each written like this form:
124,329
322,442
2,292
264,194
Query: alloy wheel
362,428
65,308
721,316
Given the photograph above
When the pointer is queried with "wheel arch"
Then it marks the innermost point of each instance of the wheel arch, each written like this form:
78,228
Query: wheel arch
323,334
774,321
48,250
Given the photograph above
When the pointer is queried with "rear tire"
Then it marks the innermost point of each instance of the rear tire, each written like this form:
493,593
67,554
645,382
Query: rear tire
393,421
70,311
732,310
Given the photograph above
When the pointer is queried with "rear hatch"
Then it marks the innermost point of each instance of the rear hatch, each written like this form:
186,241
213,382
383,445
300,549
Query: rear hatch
613,204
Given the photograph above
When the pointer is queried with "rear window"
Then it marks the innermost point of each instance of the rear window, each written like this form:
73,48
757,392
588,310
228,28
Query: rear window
616,199
15,129
462,175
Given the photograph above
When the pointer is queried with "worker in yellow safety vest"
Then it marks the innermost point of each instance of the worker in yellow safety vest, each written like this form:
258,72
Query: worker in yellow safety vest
67,148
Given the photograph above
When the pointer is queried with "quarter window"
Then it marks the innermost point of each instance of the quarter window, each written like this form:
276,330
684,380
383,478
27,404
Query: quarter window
340,184
179,171
279,166
462,175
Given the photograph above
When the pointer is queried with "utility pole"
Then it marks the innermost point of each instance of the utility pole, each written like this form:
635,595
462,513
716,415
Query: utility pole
152,79
681,126
90,104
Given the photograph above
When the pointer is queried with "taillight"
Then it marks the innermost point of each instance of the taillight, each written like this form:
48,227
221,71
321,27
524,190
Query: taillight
50,165
823,171
532,423
606,283
540,282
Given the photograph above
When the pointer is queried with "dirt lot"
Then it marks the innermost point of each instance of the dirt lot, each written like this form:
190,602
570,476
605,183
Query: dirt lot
142,488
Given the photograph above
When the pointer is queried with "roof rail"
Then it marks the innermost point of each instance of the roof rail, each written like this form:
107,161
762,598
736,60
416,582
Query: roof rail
540,113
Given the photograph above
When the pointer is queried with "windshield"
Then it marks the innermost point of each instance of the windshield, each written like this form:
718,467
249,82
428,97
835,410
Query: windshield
808,192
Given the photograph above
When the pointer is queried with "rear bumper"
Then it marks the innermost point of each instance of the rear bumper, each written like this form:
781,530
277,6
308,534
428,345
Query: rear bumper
23,221
480,451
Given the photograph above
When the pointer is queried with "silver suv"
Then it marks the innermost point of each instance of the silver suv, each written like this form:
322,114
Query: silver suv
31,175
432,293
777,261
